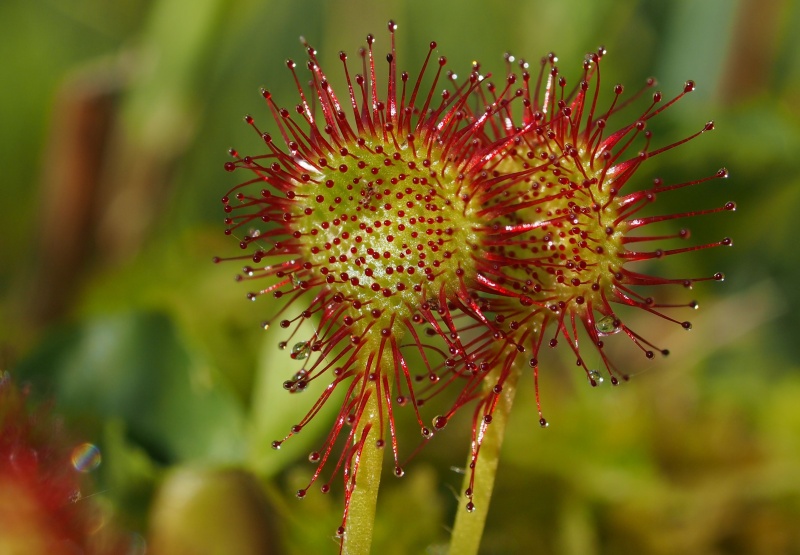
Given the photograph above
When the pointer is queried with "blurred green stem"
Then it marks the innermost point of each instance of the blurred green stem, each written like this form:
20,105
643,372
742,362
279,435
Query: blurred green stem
357,537
468,527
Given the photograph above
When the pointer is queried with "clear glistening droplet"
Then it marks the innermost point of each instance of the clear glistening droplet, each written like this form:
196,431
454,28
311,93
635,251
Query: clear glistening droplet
85,457
301,350
607,325
595,376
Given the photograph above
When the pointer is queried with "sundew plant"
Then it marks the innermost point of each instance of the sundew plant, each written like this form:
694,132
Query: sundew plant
467,222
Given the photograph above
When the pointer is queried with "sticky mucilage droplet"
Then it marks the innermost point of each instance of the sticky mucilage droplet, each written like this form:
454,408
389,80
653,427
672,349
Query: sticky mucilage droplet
608,325
301,350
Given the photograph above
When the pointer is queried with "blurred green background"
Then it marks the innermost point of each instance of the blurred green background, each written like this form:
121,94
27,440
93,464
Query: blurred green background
116,120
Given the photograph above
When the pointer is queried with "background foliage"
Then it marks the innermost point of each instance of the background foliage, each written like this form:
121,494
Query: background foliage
116,118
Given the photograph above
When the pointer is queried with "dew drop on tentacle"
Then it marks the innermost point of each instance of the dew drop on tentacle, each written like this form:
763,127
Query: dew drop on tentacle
608,325
595,378
301,350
